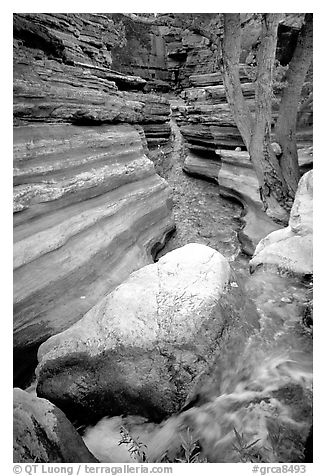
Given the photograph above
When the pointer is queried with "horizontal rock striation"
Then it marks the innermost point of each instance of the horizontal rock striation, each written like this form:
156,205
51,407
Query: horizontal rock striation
233,172
42,433
89,210
54,92
205,118
215,78
88,206
215,94
70,37
237,179
61,74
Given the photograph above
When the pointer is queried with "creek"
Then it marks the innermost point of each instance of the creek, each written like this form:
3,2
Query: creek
256,403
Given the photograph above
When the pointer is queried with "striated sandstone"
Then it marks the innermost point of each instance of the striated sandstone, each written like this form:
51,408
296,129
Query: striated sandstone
212,79
88,206
215,94
207,168
237,179
62,74
89,211
85,37
233,172
55,92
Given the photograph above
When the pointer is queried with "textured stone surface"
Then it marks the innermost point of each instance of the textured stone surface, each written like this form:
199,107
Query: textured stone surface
144,345
85,37
54,92
202,167
213,79
42,433
143,52
88,206
62,74
206,121
290,249
238,179
215,94
90,209
234,173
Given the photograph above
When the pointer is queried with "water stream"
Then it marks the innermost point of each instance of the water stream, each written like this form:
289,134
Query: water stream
255,403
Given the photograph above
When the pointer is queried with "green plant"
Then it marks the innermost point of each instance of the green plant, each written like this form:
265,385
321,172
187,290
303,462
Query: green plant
246,451
276,439
190,450
135,447
285,443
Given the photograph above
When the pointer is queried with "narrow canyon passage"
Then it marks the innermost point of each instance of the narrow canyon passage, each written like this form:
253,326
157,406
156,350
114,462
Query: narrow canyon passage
261,386
159,313
201,214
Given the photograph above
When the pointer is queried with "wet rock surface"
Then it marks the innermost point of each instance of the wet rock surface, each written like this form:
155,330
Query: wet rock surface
260,384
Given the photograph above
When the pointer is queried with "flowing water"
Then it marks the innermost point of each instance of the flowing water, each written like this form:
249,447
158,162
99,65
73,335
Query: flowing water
255,403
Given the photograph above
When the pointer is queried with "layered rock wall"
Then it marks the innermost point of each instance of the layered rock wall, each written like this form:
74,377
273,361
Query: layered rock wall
234,174
88,206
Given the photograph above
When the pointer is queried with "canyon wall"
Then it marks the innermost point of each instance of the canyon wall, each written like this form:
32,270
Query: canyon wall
88,206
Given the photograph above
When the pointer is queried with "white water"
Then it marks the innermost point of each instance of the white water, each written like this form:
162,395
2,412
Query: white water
262,386
265,394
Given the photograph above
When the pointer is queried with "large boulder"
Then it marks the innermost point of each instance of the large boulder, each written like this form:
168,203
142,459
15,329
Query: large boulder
289,250
42,433
141,348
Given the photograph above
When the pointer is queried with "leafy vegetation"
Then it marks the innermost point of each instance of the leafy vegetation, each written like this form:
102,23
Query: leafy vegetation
247,452
136,448
280,445
189,450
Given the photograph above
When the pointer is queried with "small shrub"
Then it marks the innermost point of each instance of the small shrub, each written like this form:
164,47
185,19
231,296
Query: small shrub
189,451
136,448
247,452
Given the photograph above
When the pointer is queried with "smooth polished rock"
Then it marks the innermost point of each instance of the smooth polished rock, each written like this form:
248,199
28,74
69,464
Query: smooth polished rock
290,250
144,345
